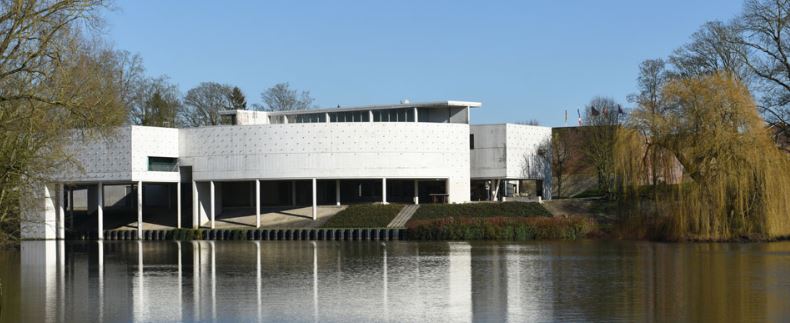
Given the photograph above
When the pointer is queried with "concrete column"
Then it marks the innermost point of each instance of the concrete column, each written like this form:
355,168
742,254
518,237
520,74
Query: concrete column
384,191
416,192
100,210
415,115
195,206
257,203
61,233
293,193
315,199
213,211
337,192
326,116
71,207
370,115
178,205
139,210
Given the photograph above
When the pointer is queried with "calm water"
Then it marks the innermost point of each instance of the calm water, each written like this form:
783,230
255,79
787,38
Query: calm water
395,281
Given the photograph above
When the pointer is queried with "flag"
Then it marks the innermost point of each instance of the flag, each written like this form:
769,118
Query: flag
594,112
580,117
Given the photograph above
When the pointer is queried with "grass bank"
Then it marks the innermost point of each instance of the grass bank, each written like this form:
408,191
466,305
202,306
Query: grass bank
502,228
509,221
364,216
479,210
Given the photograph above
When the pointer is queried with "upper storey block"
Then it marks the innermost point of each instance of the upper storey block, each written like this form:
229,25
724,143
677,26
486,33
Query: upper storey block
430,112
131,153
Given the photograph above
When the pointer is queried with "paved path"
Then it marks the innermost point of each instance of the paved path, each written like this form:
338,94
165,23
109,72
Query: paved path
284,217
403,216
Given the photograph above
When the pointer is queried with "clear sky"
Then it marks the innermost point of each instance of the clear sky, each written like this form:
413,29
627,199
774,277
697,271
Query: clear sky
522,59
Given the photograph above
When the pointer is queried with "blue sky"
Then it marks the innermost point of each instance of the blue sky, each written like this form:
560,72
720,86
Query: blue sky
523,59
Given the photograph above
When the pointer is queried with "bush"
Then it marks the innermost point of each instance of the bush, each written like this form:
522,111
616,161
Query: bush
502,228
364,216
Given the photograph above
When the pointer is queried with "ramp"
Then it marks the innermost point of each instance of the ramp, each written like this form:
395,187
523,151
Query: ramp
403,216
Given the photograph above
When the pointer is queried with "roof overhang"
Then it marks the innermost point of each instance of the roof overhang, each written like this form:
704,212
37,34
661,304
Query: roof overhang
435,104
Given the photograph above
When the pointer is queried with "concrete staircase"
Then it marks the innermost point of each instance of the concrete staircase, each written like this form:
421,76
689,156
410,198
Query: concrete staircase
403,216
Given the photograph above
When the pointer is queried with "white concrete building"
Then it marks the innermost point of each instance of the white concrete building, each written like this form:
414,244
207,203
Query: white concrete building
405,153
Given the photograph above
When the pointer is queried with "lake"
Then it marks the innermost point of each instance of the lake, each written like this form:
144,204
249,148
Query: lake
400,281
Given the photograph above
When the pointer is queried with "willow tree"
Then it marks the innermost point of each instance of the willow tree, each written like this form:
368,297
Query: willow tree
52,82
728,178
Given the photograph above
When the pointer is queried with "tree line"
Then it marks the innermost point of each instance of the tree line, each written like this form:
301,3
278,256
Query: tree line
702,153
155,101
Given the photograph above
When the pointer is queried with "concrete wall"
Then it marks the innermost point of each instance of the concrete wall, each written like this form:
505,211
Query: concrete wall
488,158
524,140
153,142
39,213
331,150
510,151
106,158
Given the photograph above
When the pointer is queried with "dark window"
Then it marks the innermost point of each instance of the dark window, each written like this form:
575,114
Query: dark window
162,164
471,141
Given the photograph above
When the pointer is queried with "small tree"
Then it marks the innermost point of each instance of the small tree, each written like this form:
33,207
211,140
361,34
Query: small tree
281,97
237,99
161,110
604,117
560,155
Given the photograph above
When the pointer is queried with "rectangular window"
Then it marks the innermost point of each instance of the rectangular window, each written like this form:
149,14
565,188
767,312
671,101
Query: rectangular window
471,141
162,164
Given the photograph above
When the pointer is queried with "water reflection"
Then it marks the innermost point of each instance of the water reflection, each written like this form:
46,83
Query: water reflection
394,281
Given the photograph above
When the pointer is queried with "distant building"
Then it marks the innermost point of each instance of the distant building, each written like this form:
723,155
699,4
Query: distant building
405,153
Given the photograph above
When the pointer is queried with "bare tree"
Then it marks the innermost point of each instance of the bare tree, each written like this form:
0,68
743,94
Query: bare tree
765,29
603,117
653,75
560,156
203,103
281,97
715,47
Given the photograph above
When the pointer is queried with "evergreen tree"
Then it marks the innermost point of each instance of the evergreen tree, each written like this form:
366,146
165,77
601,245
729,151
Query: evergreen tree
237,99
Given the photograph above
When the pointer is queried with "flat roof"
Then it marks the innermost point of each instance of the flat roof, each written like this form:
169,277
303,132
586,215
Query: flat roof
434,104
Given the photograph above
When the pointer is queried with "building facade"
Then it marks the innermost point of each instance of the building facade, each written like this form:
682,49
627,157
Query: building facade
404,153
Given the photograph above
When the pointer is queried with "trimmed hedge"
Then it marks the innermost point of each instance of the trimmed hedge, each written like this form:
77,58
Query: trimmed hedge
502,228
364,216
479,210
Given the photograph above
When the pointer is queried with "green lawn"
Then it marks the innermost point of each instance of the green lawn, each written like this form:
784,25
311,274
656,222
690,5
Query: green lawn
364,216
480,210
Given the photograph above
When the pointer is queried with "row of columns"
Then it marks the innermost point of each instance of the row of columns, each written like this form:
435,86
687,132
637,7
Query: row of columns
61,210
314,213
195,204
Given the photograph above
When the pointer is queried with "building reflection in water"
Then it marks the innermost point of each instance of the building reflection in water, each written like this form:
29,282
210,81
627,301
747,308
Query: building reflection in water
399,281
